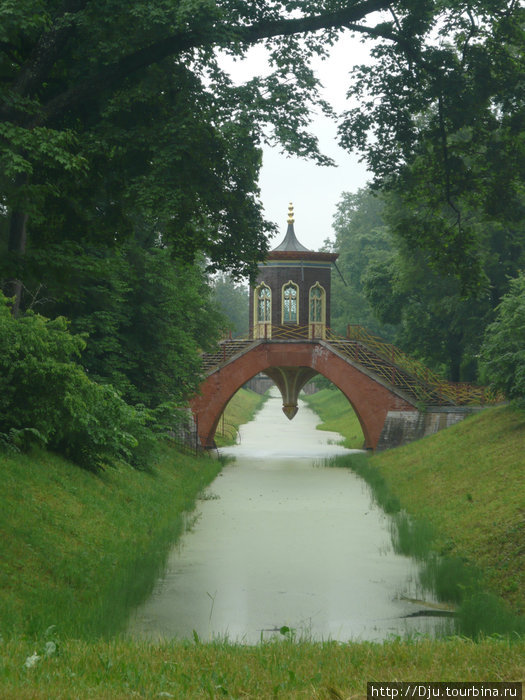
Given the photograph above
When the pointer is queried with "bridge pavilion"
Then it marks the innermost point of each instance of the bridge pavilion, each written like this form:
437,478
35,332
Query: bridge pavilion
291,297
291,301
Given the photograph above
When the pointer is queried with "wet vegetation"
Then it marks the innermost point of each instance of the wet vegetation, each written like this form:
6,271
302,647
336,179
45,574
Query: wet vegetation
337,415
456,503
80,549
240,409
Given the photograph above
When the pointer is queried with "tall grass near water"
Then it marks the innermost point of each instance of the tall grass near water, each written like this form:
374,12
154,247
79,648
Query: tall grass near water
81,550
337,415
450,579
241,408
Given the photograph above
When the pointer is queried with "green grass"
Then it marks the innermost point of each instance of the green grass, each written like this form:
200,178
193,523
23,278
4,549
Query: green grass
465,488
123,669
79,550
241,408
337,415
468,483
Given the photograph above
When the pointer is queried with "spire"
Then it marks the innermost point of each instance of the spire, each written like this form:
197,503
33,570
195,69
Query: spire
290,241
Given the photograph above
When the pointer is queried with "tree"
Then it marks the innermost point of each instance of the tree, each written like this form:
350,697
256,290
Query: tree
394,290
361,239
130,101
119,131
442,123
144,316
434,322
121,109
503,352
172,319
233,300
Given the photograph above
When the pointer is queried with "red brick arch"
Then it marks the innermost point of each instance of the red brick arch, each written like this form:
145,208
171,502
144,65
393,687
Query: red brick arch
370,399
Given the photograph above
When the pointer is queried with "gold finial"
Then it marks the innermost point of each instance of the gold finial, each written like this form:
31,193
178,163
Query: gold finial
290,213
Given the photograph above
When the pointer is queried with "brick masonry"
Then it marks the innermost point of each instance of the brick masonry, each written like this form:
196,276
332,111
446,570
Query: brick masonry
372,401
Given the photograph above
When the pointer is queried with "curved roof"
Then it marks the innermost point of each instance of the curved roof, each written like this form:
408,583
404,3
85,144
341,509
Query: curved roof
290,241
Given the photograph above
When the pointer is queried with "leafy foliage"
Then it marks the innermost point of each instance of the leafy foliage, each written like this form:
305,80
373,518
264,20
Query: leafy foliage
129,162
503,350
45,393
144,316
100,128
441,122
362,240
233,300
394,288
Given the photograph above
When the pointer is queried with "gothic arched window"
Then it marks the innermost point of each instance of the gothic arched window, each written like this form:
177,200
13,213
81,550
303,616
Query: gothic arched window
264,304
317,304
317,313
290,302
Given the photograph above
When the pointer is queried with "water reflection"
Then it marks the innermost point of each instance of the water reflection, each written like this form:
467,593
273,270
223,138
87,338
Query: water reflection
282,541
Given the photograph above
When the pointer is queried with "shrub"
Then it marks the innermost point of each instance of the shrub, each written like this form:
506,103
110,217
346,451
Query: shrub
503,351
44,389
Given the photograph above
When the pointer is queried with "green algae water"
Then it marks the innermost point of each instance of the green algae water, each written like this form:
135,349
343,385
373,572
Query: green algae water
283,545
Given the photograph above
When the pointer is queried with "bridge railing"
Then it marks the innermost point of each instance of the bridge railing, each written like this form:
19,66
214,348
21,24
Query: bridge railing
459,393
429,387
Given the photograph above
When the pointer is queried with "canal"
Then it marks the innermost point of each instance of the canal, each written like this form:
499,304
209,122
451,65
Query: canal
280,542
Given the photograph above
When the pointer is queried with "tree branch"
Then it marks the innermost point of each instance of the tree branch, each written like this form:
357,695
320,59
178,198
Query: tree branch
176,44
446,162
46,50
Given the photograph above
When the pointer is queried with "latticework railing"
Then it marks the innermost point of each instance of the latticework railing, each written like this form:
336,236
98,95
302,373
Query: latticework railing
383,359
457,393
225,351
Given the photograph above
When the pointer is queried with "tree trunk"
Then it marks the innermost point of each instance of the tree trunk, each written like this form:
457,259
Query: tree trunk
455,353
16,248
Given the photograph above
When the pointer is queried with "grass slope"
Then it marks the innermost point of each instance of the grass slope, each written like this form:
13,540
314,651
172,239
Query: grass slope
240,409
468,481
78,550
337,415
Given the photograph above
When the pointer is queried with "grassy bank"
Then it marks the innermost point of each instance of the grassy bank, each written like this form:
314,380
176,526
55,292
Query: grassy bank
468,483
241,408
79,550
337,415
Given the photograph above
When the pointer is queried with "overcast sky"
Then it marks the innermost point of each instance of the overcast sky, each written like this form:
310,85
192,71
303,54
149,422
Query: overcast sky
313,190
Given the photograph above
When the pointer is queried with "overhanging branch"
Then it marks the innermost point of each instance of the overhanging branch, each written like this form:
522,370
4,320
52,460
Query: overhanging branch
177,44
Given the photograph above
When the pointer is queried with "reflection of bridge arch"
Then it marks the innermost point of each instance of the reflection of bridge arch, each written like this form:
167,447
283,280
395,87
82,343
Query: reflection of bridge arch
370,398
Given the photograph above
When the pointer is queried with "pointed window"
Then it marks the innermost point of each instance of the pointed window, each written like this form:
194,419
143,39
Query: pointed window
317,315
264,304
262,312
316,304
290,296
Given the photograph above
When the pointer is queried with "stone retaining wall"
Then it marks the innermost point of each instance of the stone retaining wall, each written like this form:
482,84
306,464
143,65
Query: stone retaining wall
402,427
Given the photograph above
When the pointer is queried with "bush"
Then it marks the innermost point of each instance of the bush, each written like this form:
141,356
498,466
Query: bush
45,392
503,351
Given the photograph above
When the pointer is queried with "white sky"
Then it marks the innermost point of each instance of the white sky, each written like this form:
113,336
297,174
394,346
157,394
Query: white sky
313,190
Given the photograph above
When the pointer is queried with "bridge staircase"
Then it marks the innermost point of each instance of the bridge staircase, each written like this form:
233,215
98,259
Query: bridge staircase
413,377
391,373
225,351
389,364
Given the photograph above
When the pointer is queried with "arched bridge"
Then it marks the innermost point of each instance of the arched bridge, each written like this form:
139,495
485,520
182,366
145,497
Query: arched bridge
395,398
